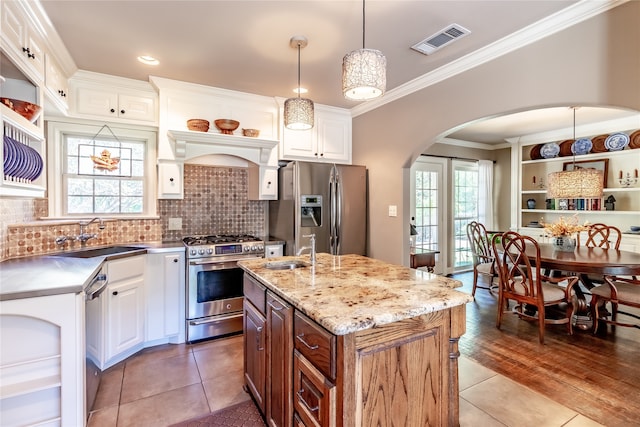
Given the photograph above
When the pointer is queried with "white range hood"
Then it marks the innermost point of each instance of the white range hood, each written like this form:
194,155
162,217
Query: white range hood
189,145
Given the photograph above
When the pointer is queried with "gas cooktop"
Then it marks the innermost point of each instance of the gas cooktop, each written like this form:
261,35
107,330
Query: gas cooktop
219,238
223,245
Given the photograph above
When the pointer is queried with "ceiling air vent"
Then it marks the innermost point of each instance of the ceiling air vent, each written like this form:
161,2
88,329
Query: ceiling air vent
440,39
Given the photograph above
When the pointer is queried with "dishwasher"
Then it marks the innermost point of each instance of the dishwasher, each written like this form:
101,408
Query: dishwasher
94,307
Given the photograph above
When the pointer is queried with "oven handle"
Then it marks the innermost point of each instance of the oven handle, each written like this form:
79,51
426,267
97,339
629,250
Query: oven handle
215,319
223,262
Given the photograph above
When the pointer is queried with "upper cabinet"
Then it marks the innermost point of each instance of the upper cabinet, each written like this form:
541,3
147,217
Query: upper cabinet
20,40
328,141
57,84
99,96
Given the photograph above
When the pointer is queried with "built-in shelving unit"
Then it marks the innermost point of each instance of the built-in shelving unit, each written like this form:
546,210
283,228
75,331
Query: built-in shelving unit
624,212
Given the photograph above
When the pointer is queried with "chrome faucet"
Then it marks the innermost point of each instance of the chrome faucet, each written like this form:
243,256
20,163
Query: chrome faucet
84,236
312,248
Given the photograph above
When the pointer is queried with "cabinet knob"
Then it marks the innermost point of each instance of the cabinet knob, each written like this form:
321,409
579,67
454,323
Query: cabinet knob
321,154
175,260
26,49
121,111
115,293
268,182
112,110
170,179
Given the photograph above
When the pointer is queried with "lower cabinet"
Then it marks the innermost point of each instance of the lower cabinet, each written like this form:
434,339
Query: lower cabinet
279,351
165,297
406,370
123,311
42,361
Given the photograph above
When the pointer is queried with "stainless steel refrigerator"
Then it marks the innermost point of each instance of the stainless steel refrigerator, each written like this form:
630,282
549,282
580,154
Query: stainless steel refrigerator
324,199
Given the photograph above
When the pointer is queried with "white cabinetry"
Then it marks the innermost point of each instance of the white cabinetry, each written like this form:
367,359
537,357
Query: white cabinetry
98,96
170,180
20,41
328,141
125,307
42,361
165,295
56,83
117,329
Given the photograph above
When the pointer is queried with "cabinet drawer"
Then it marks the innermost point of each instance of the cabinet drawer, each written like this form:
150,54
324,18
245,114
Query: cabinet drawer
125,268
255,292
314,400
316,344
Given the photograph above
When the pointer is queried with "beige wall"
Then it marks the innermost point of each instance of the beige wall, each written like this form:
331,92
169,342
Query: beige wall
593,63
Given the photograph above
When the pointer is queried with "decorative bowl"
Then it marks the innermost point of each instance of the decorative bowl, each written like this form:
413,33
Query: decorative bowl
635,228
26,109
227,126
253,133
199,125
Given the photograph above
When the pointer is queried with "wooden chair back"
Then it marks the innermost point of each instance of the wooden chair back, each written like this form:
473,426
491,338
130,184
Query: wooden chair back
602,236
519,276
479,242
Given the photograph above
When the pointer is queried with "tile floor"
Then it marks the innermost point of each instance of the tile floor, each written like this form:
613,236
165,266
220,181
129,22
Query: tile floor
167,384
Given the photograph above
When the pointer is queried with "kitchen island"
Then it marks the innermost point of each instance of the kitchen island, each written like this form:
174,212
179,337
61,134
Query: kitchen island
352,341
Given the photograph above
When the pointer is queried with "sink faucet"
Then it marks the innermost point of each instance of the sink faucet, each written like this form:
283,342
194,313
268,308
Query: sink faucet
84,236
312,248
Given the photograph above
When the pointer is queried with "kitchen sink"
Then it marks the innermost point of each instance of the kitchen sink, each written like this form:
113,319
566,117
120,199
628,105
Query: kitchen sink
90,253
286,265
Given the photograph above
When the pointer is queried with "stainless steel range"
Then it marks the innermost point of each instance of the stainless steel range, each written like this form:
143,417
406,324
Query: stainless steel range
214,283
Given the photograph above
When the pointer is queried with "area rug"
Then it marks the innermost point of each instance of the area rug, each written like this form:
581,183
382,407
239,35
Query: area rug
243,414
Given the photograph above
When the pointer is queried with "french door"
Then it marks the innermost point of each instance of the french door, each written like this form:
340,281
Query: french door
428,208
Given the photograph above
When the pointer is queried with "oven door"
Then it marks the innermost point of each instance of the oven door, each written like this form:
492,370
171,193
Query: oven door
214,298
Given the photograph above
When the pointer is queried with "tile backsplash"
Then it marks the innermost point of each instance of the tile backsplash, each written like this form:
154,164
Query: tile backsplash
215,202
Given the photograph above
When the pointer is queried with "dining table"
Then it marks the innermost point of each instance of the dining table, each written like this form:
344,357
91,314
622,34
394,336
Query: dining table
586,262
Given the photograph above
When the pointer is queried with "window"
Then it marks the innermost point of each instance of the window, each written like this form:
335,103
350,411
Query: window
465,210
101,172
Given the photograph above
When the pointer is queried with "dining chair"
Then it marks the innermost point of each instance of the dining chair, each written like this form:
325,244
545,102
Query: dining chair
602,236
483,260
615,290
522,281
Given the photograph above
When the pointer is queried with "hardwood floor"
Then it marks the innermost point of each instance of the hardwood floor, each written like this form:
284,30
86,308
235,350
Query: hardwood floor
597,376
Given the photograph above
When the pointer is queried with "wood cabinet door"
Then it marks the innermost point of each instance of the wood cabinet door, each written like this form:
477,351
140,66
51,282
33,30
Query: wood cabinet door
125,316
315,396
254,353
279,361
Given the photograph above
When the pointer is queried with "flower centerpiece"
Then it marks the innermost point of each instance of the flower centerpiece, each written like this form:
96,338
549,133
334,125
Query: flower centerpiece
562,232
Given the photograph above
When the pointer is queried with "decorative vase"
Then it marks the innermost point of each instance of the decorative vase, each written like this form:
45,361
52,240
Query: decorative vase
564,243
531,204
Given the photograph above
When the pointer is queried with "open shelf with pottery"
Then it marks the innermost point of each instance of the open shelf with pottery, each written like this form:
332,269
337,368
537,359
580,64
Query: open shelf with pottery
619,160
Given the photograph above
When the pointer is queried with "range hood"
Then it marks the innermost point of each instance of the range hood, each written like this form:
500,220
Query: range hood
222,149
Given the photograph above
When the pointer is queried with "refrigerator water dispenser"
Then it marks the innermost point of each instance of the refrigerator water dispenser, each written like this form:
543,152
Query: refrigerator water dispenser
311,211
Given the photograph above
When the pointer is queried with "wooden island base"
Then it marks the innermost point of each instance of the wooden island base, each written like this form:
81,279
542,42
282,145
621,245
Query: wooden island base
353,342
404,373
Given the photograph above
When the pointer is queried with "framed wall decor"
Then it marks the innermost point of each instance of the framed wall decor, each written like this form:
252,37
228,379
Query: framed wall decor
602,165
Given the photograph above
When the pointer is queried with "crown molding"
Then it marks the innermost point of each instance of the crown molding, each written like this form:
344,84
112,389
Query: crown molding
572,15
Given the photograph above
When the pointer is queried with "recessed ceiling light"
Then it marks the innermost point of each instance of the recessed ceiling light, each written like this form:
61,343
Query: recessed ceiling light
148,60
300,90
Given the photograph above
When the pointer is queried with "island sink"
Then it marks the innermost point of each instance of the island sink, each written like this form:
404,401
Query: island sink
286,265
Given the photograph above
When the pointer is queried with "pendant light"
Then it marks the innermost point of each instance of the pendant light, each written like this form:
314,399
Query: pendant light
578,183
298,112
364,72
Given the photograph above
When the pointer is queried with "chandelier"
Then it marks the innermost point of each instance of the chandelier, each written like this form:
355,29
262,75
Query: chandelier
298,112
364,72
578,183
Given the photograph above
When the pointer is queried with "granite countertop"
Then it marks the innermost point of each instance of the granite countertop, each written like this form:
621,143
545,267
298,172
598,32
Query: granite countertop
50,274
349,293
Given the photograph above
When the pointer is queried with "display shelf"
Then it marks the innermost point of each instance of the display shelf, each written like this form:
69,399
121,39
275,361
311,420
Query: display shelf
24,132
580,212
